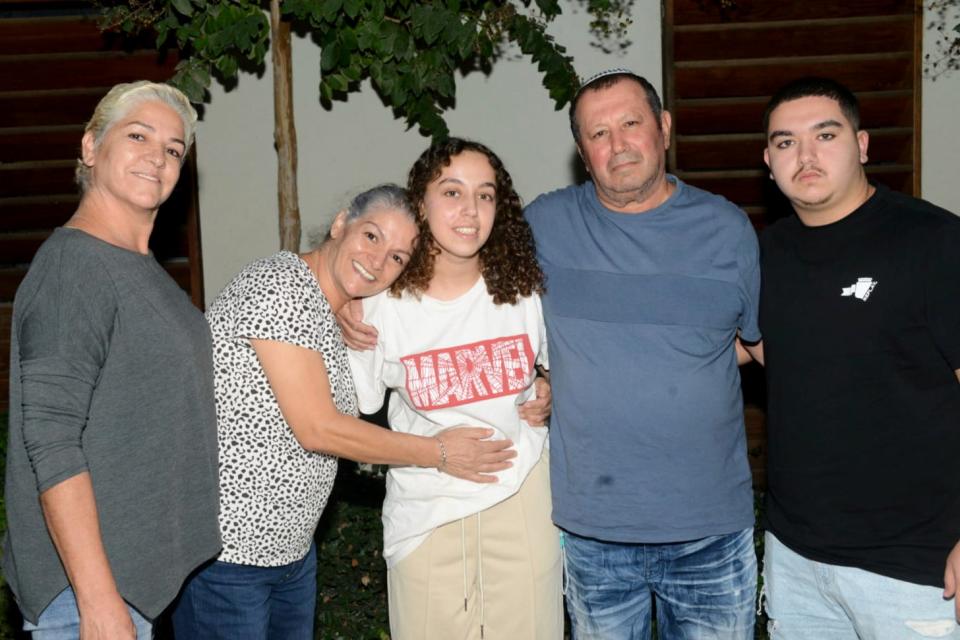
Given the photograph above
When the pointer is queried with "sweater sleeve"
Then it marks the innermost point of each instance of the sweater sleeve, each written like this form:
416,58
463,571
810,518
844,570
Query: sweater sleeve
64,339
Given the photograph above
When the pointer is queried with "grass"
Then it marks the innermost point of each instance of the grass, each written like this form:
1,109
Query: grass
351,575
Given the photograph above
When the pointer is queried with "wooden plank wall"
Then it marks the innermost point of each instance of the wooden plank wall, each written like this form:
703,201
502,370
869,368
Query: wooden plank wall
723,60
55,65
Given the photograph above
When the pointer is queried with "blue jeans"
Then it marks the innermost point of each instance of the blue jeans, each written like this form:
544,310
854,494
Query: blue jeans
809,600
704,588
228,601
61,620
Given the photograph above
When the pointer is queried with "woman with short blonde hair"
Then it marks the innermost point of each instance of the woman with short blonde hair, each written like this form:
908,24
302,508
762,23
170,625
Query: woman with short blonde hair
111,490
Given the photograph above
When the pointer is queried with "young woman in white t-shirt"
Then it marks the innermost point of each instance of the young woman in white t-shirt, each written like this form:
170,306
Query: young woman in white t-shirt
457,339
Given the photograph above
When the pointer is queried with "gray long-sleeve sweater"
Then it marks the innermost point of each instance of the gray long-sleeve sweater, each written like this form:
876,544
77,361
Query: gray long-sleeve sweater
110,373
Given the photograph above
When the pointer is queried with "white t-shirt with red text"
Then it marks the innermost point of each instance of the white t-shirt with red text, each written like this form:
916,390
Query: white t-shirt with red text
454,362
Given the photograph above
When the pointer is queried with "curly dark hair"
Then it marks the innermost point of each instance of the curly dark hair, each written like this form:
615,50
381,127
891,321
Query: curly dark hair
508,260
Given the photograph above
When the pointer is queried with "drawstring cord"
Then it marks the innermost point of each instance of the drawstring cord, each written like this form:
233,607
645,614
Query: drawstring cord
463,560
480,572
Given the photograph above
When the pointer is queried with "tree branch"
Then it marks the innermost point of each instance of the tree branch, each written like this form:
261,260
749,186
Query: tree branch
284,130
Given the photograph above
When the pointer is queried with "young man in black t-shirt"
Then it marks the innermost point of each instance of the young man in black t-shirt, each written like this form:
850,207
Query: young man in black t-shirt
860,315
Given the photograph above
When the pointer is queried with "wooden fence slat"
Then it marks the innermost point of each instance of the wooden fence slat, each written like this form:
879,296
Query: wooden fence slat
50,35
34,213
763,78
72,71
744,115
20,247
761,40
21,144
10,278
887,146
53,178
6,312
700,12
49,108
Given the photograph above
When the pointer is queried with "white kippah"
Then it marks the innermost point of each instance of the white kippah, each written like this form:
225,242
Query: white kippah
604,74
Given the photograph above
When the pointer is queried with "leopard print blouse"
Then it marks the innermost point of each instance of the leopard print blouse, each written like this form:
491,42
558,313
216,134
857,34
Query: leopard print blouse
272,490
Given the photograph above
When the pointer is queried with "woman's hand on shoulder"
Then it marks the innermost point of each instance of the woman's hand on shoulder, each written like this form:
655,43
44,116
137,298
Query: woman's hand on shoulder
356,334
469,454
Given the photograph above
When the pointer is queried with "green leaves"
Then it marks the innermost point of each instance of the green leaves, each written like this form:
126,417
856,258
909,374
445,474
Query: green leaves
210,35
410,50
330,9
183,6
352,8
550,8
193,78
559,76
429,21
329,56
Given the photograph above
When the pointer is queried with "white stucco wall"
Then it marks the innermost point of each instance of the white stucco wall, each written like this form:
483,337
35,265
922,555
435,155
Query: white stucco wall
358,143
940,153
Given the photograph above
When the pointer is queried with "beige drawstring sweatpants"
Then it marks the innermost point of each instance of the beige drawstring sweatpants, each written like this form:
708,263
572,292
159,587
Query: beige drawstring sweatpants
495,575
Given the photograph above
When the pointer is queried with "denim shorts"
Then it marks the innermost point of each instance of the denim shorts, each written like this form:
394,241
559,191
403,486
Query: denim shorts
703,588
61,620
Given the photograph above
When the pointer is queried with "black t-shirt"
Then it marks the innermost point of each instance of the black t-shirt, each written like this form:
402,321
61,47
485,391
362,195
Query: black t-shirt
861,331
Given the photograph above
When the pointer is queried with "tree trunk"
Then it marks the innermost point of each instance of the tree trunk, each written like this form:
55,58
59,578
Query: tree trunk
284,130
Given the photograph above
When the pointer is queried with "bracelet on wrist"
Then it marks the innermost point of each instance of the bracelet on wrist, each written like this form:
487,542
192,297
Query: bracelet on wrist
443,454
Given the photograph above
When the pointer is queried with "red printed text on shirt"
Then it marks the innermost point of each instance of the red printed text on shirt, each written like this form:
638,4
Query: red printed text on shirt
469,373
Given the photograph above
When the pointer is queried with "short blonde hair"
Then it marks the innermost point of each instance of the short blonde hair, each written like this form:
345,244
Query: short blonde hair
120,100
